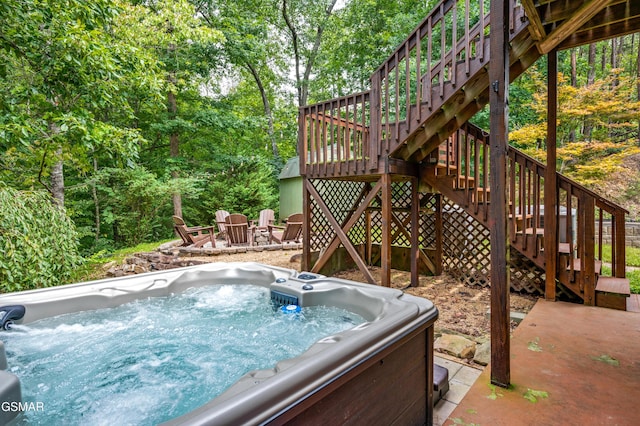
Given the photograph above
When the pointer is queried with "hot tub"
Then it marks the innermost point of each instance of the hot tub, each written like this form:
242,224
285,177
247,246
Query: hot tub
379,372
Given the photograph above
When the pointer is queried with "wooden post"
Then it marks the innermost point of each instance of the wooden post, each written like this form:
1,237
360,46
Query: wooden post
415,231
498,95
306,226
385,259
375,125
550,181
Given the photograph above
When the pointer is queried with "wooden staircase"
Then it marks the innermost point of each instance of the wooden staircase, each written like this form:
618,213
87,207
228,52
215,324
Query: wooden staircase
413,121
459,170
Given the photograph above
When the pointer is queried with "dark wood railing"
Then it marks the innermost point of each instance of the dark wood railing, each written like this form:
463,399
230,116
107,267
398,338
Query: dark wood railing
334,137
448,46
438,57
582,214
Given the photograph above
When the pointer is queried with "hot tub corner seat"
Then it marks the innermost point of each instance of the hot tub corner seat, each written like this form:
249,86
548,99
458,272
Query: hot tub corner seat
10,396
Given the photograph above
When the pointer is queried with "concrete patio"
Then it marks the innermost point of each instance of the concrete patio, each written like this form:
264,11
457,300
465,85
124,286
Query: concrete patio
570,365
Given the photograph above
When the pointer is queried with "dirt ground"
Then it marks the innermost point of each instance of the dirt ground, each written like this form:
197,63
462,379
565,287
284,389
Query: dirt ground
462,309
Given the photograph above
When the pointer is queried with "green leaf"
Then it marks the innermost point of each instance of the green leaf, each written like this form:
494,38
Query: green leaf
533,346
494,392
607,359
533,395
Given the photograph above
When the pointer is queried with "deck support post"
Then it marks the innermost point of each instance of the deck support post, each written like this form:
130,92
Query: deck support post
550,181
306,227
498,96
385,260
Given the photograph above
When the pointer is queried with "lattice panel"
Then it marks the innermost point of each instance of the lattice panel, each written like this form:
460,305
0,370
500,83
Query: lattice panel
466,241
525,275
340,197
467,254
428,221
466,251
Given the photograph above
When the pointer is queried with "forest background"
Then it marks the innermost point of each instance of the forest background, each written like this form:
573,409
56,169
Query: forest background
125,113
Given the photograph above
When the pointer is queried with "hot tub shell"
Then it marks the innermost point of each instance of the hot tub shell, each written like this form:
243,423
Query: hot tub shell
379,372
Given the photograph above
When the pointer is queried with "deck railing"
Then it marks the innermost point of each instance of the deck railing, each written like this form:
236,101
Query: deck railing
334,137
438,53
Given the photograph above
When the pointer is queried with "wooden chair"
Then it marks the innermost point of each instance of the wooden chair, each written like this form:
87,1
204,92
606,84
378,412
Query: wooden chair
194,236
238,231
221,215
291,232
267,217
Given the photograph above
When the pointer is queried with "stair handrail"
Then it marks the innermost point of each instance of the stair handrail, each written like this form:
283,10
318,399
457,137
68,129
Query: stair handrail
440,62
525,198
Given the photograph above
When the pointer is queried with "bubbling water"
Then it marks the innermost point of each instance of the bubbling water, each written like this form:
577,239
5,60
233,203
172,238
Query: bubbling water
155,359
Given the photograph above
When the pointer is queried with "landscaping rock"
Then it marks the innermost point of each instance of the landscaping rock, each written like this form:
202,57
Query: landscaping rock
483,354
457,346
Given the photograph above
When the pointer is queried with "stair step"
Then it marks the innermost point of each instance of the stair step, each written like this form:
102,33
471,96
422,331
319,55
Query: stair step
577,266
564,248
633,303
612,293
614,285
534,231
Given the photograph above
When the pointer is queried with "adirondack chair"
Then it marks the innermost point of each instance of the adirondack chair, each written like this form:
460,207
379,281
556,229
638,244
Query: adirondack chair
194,236
238,231
221,215
291,232
267,217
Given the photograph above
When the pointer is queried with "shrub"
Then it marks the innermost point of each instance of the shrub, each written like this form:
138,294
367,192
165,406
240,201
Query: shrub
38,241
247,186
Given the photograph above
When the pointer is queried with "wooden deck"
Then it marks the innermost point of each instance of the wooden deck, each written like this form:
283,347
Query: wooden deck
584,358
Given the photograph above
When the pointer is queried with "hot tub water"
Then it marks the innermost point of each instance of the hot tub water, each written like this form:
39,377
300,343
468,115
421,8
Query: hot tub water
152,360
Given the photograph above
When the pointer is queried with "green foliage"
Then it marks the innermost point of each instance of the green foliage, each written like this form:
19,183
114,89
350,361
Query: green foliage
607,359
534,345
38,241
532,395
92,268
246,187
494,393
634,280
632,254
137,204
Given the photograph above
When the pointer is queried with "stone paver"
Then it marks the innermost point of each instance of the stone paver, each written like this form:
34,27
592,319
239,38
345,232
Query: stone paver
442,411
461,378
453,367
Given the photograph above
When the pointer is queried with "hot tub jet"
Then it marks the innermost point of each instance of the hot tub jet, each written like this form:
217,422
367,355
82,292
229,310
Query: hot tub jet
10,313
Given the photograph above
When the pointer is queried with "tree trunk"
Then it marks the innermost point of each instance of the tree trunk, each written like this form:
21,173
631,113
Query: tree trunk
574,83
302,82
615,57
57,179
638,87
174,146
591,78
96,201
267,110
574,68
